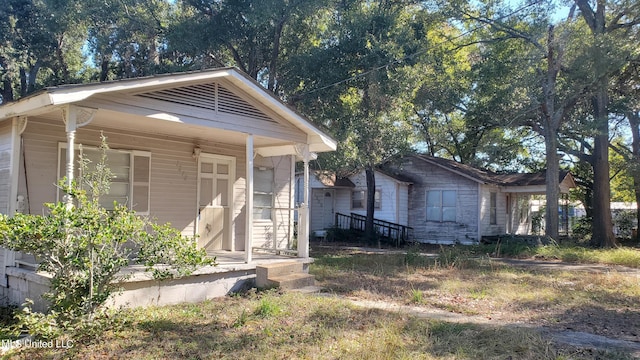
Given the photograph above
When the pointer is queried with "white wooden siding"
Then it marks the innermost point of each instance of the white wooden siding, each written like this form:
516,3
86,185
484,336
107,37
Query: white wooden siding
429,177
403,201
388,196
393,207
486,228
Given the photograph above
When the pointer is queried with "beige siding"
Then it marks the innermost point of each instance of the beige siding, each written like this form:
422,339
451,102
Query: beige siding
173,171
5,166
5,185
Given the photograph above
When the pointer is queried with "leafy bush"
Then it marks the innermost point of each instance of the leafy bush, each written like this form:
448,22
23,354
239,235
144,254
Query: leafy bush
581,228
624,222
84,246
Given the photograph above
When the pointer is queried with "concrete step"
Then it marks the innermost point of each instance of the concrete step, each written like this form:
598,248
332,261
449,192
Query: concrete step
265,272
293,281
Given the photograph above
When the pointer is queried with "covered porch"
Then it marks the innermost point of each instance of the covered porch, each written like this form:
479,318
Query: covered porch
211,152
525,204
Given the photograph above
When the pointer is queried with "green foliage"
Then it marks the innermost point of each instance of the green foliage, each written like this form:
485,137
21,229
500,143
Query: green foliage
84,246
624,222
581,228
417,296
267,307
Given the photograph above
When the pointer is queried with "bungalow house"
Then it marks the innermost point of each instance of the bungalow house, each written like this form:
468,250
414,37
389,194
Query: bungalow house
211,152
453,203
347,195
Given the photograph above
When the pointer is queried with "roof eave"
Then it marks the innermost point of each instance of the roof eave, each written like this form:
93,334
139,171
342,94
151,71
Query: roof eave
479,181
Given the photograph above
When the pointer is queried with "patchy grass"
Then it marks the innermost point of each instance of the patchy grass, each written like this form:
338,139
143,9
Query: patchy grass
307,327
625,256
466,283
569,252
274,325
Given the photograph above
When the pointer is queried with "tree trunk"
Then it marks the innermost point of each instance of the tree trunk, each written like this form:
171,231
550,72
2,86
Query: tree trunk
552,188
6,91
369,229
275,53
602,223
23,82
634,124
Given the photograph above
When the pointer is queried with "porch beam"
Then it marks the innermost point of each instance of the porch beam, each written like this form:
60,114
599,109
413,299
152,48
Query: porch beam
248,239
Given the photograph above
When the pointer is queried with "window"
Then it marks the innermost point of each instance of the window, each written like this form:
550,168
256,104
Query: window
441,205
263,185
359,199
131,175
493,208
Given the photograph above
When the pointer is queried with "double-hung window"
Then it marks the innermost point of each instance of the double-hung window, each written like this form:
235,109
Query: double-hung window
130,169
441,205
263,185
359,199
493,208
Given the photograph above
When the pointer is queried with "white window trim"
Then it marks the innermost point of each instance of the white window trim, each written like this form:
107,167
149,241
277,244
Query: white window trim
132,155
364,199
426,198
273,197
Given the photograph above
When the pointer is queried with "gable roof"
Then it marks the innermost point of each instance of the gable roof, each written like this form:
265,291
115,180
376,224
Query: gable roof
329,179
153,87
489,177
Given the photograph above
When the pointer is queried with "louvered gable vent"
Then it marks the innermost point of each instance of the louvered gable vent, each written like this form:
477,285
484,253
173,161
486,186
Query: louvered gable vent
212,97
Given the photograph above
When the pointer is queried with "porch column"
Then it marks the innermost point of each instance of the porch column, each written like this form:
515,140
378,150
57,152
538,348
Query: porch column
70,122
74,117
248,234
303,214
19,124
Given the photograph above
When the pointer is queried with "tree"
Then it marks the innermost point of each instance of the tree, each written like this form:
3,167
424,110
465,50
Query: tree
609,23
541,92
351,82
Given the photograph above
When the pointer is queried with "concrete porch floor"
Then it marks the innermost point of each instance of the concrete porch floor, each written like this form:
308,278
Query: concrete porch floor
231,274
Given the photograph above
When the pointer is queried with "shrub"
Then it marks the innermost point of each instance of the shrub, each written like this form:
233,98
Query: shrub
85,246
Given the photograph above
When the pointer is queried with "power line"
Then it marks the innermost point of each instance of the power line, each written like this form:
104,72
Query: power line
465,33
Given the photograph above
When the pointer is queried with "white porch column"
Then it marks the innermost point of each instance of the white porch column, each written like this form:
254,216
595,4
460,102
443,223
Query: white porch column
303,214
248,234
74,117
292,200
19,124
70,118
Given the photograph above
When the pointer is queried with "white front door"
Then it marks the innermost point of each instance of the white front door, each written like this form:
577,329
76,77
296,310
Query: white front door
328,213
216,175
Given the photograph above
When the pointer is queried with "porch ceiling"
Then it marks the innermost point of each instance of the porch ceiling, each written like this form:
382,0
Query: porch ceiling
154,126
